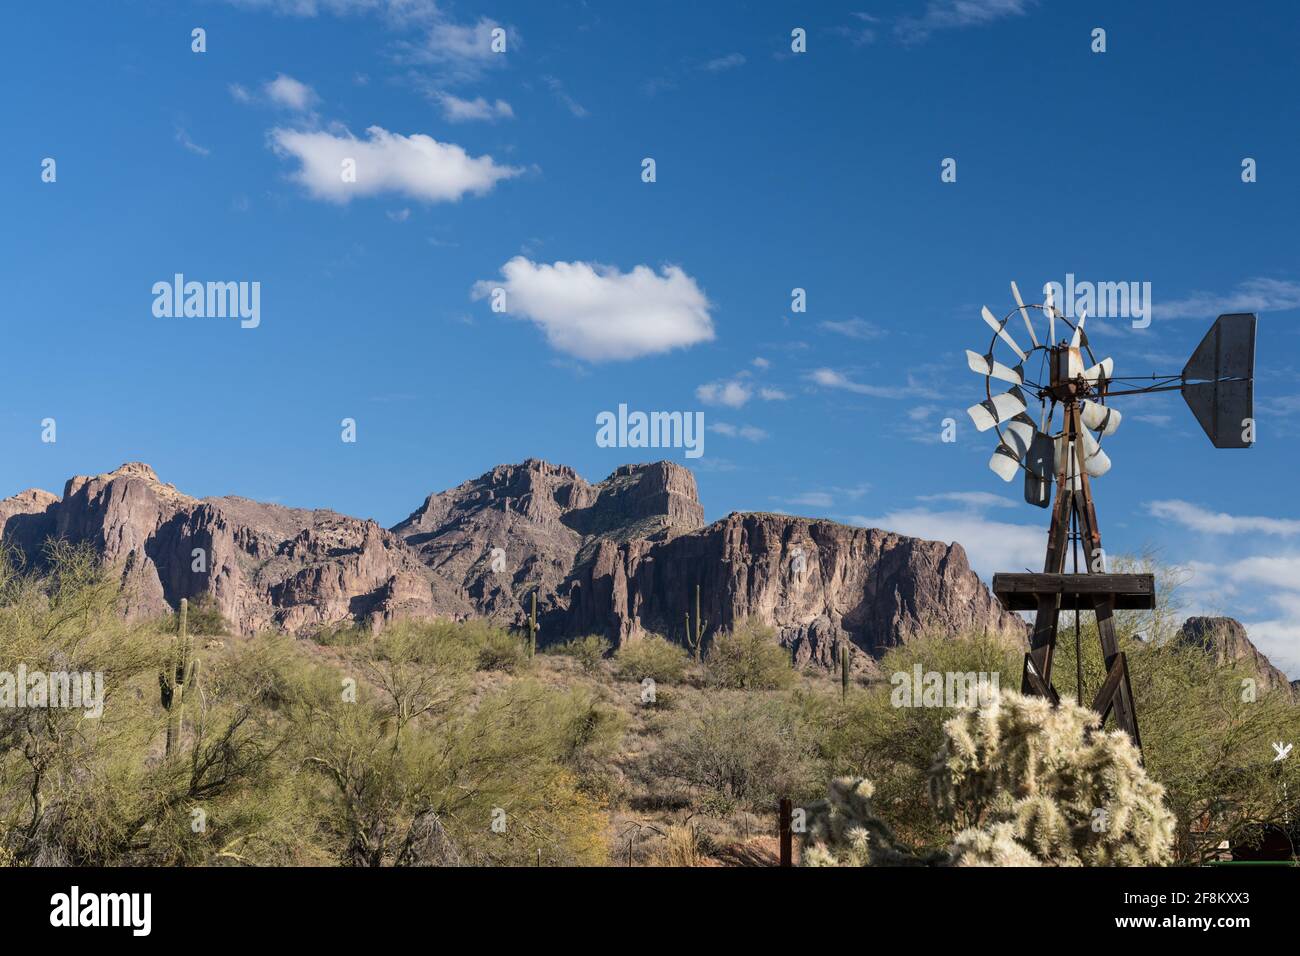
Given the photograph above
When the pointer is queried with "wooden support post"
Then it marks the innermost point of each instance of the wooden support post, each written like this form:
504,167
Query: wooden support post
784,823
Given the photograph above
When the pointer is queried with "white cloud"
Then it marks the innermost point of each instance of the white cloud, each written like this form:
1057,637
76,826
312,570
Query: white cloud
1252,295
728,62
458,110
761,362
595,312
183,137
829,378
854,328
462,51
862,32
973,499
572,105
772,394
417,165
1279,641
733,394
956,15
1209,522
240,93
812,499
747,432
468,46
990,546
290,93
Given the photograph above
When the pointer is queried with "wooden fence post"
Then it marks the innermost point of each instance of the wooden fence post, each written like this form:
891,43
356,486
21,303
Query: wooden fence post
787,837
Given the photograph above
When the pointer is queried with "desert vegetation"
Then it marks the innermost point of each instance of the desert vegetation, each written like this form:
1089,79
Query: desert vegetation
437,743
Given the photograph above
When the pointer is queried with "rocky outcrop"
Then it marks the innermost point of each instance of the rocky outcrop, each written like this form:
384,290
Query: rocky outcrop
521,528
821,584
264,566
620,557
1225,640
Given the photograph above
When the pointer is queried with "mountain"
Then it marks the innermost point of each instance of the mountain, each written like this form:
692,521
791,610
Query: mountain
1225,639
620,557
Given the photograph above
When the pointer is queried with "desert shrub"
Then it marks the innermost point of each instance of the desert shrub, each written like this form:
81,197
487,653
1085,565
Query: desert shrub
650,656
748,657
682,845
459,645
739,751
342,634
588,651
1208,737
202,617
405,784
139,811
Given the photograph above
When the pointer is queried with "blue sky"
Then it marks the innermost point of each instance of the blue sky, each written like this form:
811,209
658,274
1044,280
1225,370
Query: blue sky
775,170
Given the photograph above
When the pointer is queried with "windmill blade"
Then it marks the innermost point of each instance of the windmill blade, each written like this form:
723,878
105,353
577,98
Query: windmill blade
998,409
1064,457
1019,435
1102,371
1101,418
1024,313
988,367
1038,471
1017,438
1095,461
1077,339
1003,334
1004,463
1050,307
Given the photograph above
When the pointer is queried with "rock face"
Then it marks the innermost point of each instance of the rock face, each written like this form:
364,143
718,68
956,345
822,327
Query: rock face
819,583
523,527
265,566
1224,638
620,557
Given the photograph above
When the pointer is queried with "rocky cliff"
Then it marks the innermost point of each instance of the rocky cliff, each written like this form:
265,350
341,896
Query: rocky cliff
620,557
1225,639
265,566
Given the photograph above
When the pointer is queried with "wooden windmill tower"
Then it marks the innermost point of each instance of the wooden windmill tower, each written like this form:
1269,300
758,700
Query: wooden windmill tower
1217,384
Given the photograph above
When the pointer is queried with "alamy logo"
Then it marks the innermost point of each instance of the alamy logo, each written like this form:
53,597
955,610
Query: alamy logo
57,689
940,689
103,909
653,430
1102,300
209,300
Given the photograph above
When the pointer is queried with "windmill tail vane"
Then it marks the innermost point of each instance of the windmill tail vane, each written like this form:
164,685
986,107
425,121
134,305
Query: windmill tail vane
1058,462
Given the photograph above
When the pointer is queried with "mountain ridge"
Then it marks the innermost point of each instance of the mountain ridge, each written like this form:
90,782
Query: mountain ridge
620,557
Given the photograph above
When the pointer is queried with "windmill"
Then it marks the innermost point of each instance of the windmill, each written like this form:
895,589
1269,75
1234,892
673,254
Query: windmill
1058,371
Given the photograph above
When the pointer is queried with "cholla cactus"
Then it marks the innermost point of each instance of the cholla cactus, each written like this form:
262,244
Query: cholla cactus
1026,784
1049,779
843,830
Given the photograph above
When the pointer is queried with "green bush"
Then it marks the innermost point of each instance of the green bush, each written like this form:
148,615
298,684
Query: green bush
748,657
588,651
202,618
740,751
650,656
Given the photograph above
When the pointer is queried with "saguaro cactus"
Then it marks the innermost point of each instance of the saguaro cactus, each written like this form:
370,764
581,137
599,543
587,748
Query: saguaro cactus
532,626
695,639
844,672
179,674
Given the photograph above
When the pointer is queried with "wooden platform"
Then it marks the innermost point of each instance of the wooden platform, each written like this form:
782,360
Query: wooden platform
1079,592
